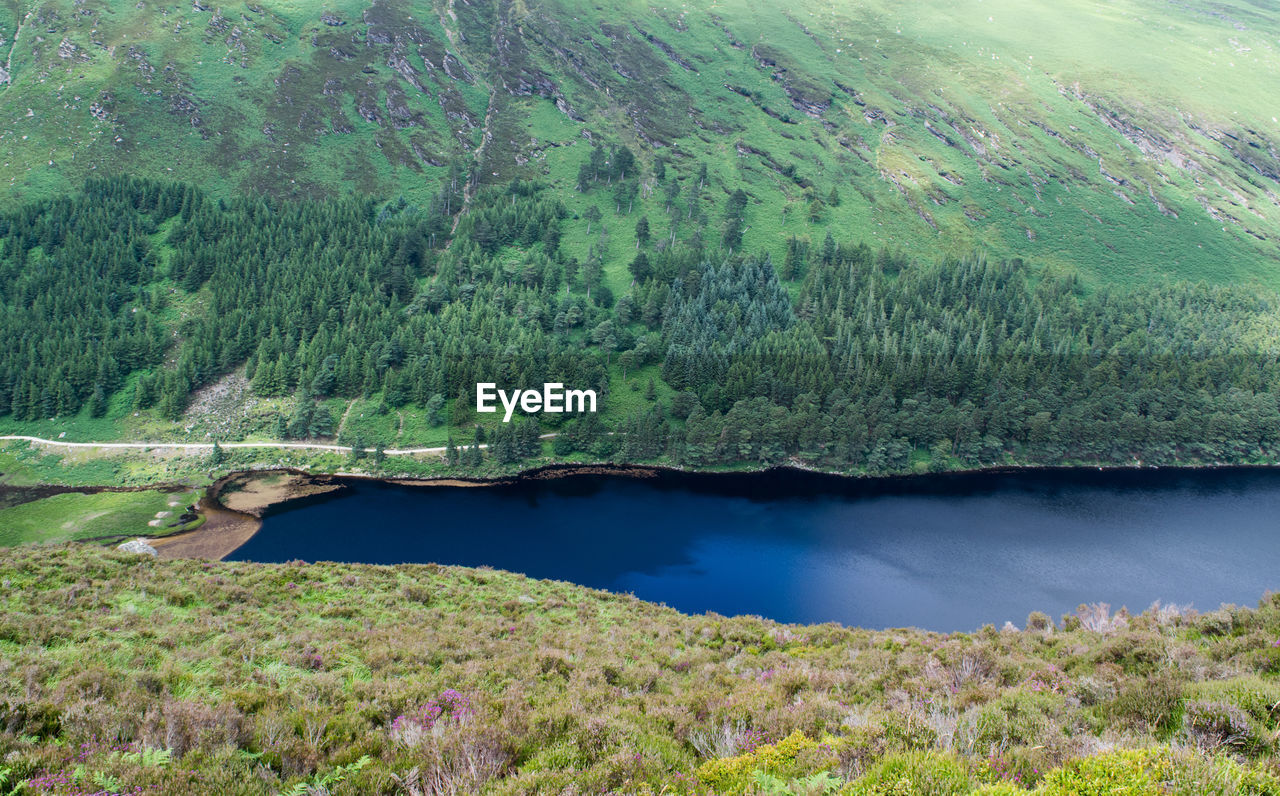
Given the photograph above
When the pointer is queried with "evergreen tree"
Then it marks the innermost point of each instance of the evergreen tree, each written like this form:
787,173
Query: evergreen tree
642,232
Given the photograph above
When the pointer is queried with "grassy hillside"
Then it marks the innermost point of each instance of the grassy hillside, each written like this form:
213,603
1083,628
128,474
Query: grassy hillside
127,675
1131,140
106,515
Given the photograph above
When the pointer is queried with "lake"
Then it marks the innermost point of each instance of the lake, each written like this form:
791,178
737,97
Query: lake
939,552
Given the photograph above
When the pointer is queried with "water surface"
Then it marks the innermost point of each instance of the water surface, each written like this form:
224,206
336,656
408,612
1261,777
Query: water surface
943,553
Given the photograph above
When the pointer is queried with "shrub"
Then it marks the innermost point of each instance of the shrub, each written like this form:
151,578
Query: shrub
914,774
1153,705
1220,775
1131,772
1039,622
1023,766
1267,659
1216,623
793,757
729,740
818,784
1097,617
1214,725
181,726
1016,719
412,729
1258,697
1136,653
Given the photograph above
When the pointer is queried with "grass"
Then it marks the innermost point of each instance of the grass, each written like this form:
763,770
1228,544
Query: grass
245,679
75,516
1061,133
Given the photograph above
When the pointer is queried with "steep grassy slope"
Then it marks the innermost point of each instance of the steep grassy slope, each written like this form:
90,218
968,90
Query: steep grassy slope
1132,140
126,675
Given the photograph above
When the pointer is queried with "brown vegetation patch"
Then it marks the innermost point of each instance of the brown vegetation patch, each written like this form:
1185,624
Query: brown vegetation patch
221,533
254,493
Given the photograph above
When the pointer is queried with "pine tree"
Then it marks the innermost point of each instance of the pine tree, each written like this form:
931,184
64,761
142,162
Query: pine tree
642,232
592,214
640,268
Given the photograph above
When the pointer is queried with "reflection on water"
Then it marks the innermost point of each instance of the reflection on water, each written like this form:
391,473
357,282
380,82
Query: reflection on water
944,553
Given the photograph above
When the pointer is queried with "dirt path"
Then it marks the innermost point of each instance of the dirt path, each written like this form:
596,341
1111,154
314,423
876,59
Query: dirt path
7,77
208,446
343,422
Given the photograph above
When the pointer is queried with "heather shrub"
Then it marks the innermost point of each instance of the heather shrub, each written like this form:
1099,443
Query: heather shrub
1219,775
1129,772
38,719
1135,652
1148,705
462,759
495,684
1097,617
1258,697
793,757
1015,719
1216,623
1039,622
1023,766
181,726
903,730
727,740
562,755
1266,659
1214,725
914,774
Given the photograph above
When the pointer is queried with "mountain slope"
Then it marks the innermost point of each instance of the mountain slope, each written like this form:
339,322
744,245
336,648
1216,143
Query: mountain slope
1131,140
234,678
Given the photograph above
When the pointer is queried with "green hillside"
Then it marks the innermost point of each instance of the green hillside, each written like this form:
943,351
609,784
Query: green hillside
128,675
1131,140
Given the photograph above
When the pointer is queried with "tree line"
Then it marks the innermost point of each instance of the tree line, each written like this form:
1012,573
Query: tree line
844,357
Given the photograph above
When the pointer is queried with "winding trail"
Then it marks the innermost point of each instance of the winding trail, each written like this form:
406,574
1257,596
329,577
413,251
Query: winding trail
208,446
343,422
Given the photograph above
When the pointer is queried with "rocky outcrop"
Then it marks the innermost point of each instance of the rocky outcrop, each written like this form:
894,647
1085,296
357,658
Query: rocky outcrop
138,546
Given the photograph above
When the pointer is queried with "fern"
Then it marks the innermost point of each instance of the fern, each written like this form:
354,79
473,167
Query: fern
107,782
148,757
8,787
820,784
320,784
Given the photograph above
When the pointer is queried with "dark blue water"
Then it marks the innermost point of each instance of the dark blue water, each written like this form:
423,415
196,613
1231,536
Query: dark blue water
943,553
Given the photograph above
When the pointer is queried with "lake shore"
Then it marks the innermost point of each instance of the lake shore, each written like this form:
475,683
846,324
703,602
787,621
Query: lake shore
236,503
